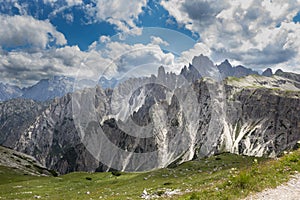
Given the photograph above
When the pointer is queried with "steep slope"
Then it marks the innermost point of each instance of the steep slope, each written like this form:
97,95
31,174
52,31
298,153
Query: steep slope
22,163
15,117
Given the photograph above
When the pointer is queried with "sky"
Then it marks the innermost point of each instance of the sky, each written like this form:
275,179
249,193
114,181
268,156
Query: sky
90,38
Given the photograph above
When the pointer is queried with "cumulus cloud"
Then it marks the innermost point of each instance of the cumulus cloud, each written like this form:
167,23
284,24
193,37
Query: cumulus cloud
199,48
144,57
117,59
121,13
25,31
26,68
104,38
256,33
158,41
68,2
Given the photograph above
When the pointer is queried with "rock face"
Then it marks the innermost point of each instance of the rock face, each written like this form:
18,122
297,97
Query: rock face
151,122
262,120
16,117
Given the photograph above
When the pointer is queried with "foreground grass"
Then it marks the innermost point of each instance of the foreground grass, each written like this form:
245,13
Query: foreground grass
224,176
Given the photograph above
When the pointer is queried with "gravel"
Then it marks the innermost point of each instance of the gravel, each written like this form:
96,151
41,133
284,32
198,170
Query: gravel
287,191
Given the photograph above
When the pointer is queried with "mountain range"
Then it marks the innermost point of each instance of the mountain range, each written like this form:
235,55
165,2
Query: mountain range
47,89
57,86
153,122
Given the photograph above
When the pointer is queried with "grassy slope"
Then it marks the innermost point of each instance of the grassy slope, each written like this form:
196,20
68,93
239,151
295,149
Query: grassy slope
224,176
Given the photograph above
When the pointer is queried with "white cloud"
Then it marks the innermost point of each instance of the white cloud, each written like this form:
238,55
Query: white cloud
25,68
104,39
256,33
199,48
138,56
121,13
158,41
69,17
74,2
68,2
22,8
23,31
116,59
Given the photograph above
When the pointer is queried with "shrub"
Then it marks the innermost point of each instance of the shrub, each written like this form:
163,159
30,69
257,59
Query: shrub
116,173
194,196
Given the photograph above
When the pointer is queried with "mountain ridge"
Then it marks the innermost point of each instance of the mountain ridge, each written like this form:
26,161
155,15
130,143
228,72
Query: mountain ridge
57,86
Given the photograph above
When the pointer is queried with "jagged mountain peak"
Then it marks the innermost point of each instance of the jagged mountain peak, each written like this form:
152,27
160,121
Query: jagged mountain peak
161,72
202,61
226,70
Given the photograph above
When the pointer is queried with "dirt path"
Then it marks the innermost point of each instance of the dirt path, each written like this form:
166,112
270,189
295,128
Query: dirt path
286,191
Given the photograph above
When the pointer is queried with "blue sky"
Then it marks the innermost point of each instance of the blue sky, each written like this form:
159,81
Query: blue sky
89,38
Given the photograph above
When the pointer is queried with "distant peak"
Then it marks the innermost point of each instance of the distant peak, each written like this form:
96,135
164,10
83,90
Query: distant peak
225,63
268,72
202,61
279,71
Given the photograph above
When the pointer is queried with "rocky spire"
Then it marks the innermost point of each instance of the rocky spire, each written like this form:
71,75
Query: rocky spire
161,73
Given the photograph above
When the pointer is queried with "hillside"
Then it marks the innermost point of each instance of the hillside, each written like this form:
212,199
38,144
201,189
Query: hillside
224,176
16,166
